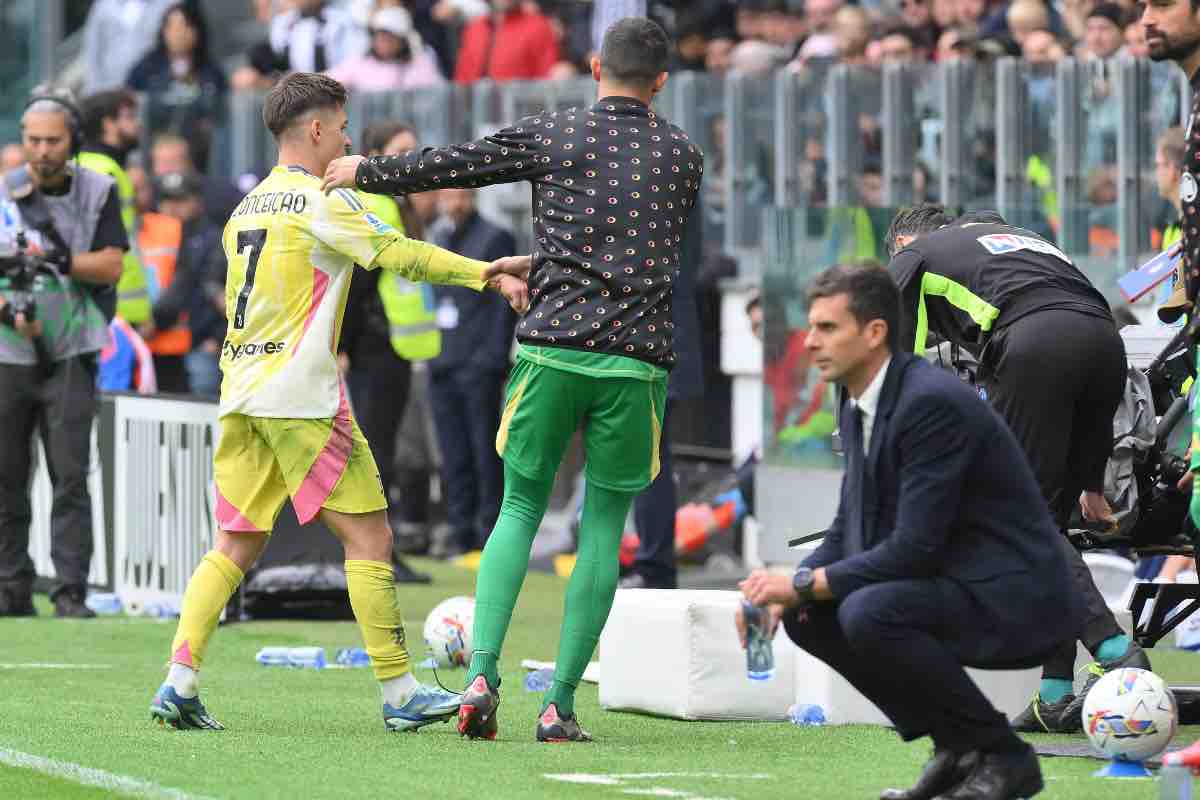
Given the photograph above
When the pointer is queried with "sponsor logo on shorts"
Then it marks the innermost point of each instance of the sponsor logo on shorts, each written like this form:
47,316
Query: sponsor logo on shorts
233,352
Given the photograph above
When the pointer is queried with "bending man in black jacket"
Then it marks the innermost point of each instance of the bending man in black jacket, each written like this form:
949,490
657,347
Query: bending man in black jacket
942,553
1053,365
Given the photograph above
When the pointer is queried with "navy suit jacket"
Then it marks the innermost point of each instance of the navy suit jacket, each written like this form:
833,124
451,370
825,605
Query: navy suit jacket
947,495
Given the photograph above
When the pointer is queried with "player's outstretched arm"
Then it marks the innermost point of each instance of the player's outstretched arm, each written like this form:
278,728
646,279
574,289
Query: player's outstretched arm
513,154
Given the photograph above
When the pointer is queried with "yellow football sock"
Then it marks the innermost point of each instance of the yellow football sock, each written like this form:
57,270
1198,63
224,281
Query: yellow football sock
373,597
212,584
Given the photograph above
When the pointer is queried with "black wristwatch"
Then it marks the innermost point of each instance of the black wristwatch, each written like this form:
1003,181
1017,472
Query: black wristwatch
802,583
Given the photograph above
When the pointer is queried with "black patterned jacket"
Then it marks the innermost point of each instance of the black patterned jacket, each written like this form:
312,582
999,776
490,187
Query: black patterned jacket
613,187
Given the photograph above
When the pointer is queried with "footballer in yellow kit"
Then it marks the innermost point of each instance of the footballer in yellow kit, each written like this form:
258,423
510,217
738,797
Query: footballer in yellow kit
286,427
285,424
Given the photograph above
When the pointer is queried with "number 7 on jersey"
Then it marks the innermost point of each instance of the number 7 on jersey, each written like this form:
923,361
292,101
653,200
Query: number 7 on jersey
250,244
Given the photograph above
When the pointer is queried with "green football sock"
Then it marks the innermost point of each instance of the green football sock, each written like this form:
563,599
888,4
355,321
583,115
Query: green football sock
1113,648
502,568
590,591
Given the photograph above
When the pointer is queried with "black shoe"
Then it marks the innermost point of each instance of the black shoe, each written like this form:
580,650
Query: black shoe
1134,657
410,538
553,727
1042,717
406,574
636,580
16,602
477,713
69,604
1001,776
942,773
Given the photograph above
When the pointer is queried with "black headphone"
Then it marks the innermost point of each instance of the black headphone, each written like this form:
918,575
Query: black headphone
66,100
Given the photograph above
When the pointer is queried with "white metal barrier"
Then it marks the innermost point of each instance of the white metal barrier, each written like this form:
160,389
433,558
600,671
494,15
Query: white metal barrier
157,454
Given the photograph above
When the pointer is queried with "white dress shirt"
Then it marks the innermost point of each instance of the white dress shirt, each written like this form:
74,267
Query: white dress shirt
868,403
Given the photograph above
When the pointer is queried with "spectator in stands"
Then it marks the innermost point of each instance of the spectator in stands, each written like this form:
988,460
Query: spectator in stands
971,12
754,57
898,45
1026,16
398,58
116,35
949,46
691,43
1105,34
194,299
11,157
184,88
313,36
918,15
1041,47
467,379
1074,16
171,153
852,29
510,43
945,13
717,57
1168,170
111,130
821,42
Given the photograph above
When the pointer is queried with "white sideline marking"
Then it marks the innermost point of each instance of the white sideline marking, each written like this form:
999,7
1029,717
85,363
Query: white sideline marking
616,778
581,777
131,787
40,665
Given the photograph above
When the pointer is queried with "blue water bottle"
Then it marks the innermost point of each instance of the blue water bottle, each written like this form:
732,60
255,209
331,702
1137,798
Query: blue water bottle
760,654
353,657
307,657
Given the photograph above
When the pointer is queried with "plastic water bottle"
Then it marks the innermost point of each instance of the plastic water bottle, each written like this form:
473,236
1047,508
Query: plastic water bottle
1175,783
309,657
273,656
353,657
104,603
760,654
539,680
806,715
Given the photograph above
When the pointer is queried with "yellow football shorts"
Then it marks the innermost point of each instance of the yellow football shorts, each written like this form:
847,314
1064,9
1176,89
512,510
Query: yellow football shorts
319,463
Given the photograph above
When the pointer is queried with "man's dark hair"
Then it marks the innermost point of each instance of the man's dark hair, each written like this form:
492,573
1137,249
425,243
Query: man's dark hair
870,290
297,95
635,52
982,215
915,221
100,106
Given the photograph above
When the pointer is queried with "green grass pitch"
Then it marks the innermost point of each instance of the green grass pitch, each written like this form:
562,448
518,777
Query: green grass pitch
296,733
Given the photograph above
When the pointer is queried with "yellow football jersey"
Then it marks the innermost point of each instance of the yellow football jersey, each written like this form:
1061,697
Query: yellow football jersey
290,250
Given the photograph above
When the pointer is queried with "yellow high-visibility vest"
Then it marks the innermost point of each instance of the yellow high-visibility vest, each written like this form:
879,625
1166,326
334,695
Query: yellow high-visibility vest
133,290
412,323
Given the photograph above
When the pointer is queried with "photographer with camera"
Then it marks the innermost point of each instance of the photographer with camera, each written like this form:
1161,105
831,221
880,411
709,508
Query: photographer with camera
61,248
1052,364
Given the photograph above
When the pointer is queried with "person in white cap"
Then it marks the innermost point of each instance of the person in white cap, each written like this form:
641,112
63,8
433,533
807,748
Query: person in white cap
398,59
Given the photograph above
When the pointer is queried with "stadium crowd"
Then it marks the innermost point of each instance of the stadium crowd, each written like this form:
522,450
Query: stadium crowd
153,108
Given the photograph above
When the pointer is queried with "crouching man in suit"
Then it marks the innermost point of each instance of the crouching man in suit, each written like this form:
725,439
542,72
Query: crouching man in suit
942,554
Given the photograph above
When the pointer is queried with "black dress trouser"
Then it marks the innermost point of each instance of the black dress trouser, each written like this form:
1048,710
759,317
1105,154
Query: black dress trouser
1056,377
896,643
379,384
654,518
61,408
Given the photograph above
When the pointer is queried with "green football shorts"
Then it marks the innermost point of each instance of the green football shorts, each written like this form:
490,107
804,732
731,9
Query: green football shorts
621,419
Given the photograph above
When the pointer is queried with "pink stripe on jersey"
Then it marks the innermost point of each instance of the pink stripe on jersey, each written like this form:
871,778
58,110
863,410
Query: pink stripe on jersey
320,283
331,462
231,519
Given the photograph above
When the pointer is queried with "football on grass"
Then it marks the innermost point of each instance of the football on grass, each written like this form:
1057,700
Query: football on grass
448,631
1129,714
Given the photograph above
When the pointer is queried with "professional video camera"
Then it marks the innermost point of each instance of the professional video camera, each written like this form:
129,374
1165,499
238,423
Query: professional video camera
21,266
